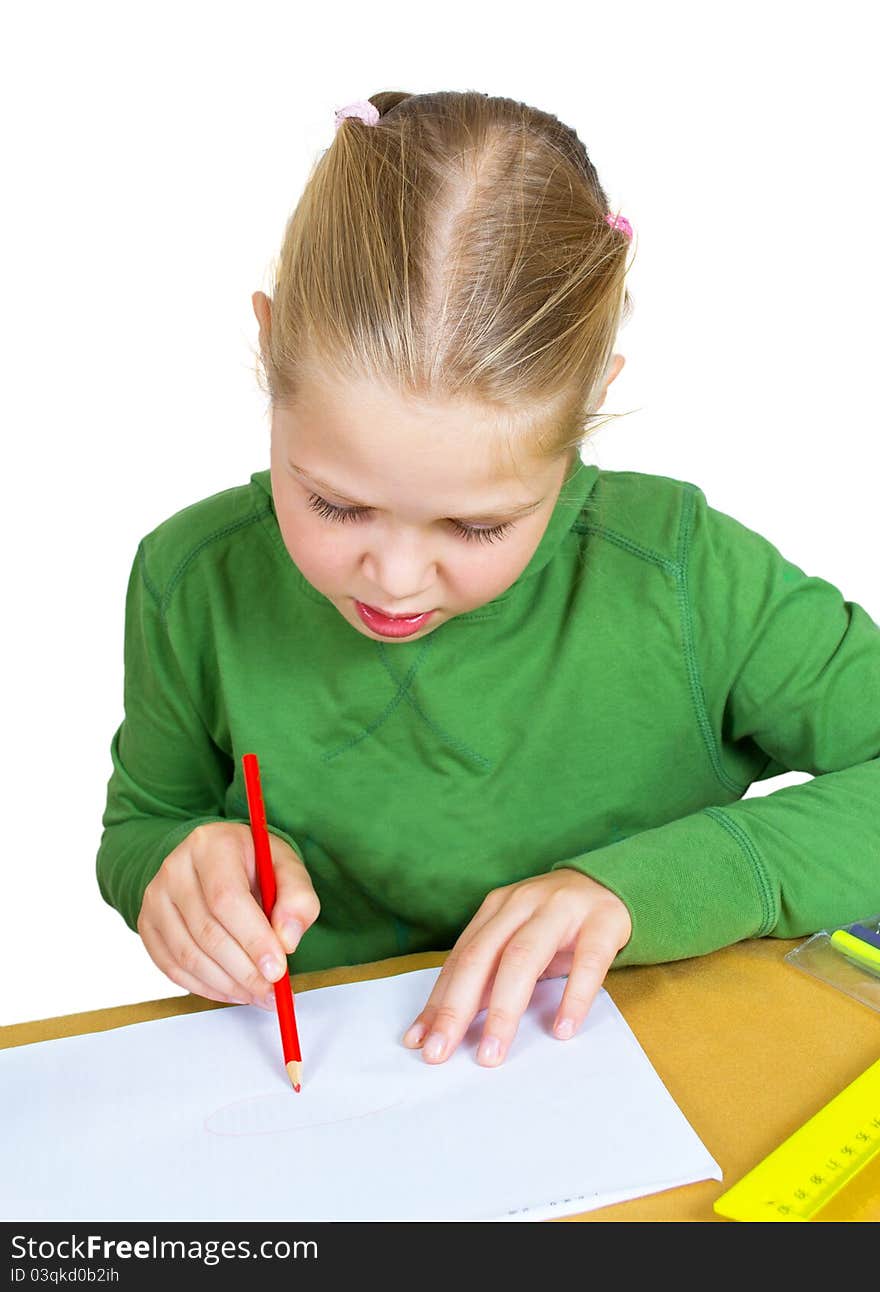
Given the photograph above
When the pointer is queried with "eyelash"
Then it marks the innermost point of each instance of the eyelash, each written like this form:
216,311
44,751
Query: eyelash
342,514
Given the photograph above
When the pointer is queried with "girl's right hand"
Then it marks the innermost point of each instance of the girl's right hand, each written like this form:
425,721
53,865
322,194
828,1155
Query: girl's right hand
202,920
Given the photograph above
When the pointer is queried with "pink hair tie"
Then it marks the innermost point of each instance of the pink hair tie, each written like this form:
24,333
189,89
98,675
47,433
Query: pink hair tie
620,222
363,108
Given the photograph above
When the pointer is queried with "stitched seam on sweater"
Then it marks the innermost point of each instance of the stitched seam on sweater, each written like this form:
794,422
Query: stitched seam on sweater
163,620
390,706
678,569
148,582
655,558
329,754
768,914
252,519
438,731
688,635
459,746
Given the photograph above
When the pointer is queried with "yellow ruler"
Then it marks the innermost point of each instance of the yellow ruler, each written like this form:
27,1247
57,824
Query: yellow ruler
798,1178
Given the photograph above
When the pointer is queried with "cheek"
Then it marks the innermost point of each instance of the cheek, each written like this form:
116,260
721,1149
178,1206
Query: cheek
309,542
489,570
494,572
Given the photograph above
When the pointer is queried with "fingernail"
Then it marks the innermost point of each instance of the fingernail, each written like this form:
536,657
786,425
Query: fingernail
434,1046
490,1049
268,1002
291,932
415,1034
564,1028
271,968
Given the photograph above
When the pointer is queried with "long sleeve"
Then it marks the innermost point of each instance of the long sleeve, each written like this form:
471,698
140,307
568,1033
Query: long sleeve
781,666
168,774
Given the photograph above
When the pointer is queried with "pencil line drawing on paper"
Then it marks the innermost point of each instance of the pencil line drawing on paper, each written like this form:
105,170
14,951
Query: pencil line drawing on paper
274,1115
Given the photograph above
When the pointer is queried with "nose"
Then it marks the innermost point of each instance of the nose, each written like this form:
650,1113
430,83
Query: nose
398,568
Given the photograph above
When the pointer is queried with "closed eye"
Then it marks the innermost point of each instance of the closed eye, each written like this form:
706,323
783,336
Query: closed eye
471,533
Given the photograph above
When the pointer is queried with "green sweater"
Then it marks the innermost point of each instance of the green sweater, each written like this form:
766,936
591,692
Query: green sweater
606,713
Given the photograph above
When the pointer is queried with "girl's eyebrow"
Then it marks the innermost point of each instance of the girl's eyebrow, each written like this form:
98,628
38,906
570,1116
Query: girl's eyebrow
509,513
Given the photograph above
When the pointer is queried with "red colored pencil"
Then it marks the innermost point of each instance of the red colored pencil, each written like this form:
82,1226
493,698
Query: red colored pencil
266,876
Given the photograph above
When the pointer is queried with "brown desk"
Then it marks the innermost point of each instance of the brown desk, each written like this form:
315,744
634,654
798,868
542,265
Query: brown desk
748,1047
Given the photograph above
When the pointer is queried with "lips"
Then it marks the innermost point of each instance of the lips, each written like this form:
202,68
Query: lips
412,614
391,625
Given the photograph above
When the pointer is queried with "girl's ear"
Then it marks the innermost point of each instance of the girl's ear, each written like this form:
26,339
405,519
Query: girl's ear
263,311
614,368
615,364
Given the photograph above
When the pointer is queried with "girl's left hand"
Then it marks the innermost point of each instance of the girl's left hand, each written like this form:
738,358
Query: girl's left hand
542,927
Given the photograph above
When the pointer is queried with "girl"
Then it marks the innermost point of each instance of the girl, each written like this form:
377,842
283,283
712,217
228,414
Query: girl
504,701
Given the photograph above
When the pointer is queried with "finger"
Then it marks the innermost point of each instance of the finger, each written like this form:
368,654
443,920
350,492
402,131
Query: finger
227,895
421,1024
202,964
559,966
524,958
221,950
296,902
594,950
464,982
161,955
423,1027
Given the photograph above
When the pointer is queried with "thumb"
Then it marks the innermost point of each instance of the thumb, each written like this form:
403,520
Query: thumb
296,902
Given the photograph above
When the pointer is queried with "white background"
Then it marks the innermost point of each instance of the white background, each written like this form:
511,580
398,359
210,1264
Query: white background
151,157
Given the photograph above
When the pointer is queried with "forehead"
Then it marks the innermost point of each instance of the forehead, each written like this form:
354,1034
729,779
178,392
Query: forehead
369,430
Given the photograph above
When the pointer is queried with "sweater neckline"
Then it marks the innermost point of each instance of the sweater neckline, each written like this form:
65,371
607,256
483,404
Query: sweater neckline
575,491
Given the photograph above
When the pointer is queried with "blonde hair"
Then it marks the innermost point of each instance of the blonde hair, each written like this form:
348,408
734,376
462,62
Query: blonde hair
455,251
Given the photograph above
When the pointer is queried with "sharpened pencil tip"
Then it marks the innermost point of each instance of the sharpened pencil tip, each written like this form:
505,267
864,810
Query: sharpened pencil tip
294,1071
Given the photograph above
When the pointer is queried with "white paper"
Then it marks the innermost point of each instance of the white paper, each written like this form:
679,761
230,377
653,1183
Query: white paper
194,1118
